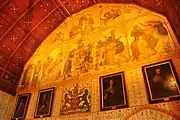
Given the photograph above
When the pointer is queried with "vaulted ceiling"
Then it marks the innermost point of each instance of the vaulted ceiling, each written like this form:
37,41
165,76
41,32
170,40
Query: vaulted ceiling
24,24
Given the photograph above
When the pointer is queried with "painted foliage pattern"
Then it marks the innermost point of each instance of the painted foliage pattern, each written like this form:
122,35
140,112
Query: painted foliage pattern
100,38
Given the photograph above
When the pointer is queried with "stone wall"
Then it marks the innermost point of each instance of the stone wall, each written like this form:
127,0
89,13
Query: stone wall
6,105
138,105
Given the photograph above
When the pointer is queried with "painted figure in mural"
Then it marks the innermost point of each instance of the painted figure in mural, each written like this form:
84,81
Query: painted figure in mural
38,73
134,45
143,46
111,15
150,38
50,68
58,66
109,49
78,58
46,65
160,85
113,50
84,99
28,76
88,23
120,52
87,63
85,25
59,37
76,30
163,43
68,65
98,55
111,95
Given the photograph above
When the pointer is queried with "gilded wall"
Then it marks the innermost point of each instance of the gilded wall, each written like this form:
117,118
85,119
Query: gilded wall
101,40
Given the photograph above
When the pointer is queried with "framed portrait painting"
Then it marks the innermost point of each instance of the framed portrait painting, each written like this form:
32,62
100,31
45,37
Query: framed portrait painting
21,107
161,81
113,91
44,103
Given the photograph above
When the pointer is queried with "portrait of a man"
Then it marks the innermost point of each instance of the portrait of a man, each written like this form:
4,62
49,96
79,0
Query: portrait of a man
21,106
44,104
162,81
113,93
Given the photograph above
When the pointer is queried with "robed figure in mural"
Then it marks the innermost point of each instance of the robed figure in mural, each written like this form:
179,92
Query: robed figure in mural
28,76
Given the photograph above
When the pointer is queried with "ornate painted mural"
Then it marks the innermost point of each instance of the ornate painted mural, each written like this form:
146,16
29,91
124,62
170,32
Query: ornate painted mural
100,38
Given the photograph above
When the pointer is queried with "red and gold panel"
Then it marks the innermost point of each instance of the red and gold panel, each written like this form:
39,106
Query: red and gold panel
50,23
74,6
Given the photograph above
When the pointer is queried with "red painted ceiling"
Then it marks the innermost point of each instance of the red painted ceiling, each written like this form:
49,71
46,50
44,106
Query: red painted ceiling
24,24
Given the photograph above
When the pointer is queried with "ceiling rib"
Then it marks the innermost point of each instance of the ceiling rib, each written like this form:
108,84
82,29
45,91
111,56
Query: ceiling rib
59,9
8,72
4,4
63,7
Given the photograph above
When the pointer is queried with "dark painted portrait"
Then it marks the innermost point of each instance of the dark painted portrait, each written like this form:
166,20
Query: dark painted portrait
113,93
21,107
162,81
44,103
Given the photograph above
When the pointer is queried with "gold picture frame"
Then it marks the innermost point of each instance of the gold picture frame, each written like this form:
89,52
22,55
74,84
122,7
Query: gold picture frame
113,91
44,103
21,106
